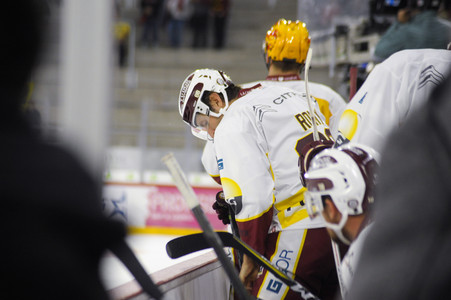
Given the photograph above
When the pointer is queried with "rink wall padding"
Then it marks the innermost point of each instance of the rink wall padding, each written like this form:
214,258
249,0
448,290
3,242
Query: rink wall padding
157,208
200,277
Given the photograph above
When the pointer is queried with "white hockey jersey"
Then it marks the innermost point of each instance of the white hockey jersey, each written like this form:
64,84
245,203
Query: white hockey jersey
350,260
394,89
331,106
257,144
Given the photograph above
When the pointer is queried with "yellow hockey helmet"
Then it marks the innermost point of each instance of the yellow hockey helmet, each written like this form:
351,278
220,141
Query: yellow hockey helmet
287,41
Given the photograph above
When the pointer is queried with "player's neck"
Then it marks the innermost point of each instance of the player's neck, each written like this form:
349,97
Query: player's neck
353,226
277,74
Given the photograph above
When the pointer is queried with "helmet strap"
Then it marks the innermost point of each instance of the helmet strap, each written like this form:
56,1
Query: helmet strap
338,228
222,110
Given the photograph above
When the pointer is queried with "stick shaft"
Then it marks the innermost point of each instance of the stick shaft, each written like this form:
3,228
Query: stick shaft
210,235
307,91
337,259
175,249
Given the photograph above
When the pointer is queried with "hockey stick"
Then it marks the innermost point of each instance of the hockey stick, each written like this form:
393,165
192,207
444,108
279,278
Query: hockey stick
194,242
233,224
209,234
337,259
128,258
308,61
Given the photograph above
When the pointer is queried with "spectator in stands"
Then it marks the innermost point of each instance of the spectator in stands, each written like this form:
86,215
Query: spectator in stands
220,11
179,12
199,23
53,229
417,27
151,12
121,34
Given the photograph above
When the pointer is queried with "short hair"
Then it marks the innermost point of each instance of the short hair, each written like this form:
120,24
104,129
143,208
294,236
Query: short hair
232,92
288,66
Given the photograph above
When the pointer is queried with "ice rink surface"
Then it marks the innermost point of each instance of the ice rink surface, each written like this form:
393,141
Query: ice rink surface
150,249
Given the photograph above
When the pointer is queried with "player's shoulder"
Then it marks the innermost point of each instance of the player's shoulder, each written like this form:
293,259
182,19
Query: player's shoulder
326,93
250,84
417,56
268,91
315,86
413,62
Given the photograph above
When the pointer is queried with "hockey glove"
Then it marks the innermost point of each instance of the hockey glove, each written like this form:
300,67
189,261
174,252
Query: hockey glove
222,208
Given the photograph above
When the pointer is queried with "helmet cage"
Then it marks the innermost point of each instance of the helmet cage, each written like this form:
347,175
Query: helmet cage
314,203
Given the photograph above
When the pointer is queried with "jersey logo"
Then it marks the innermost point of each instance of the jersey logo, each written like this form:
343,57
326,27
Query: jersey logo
220,164
361,99
232,194
261,109
274,286
430,74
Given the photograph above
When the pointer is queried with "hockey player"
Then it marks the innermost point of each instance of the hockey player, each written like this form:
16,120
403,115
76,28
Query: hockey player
284,51
393,90
258,133
340,187
406,253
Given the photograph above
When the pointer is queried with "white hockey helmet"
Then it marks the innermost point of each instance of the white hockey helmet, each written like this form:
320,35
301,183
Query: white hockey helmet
347,176
196,87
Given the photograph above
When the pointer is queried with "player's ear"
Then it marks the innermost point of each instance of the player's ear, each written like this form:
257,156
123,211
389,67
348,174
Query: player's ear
216,102
331,213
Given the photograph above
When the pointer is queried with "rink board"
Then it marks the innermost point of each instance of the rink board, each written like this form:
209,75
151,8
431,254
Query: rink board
157,208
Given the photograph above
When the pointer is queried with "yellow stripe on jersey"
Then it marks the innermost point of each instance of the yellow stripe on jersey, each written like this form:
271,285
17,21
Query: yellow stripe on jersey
287,219
349,121
231,188
259,215
292,201
293,275
301,248
270,167
271,259
324,108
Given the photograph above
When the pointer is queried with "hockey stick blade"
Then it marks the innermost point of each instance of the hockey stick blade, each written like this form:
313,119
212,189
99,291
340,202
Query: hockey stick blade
209,234
187,244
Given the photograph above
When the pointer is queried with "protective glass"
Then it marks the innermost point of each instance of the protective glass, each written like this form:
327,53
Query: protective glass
201,134
314,204
313,196
201,121
201,131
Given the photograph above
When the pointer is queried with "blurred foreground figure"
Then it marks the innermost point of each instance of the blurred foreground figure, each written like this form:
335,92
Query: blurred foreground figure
53,230
406,255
